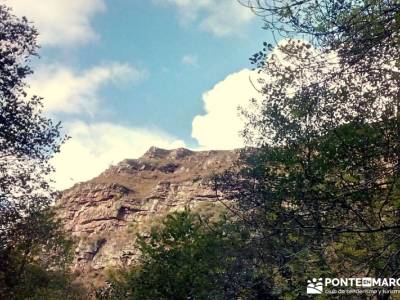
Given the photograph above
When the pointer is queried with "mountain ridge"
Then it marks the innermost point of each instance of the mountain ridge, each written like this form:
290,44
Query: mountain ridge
104,214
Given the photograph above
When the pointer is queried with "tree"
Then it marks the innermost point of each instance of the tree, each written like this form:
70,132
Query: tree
27,139
356,28
187,258
39,261
31,241
319,191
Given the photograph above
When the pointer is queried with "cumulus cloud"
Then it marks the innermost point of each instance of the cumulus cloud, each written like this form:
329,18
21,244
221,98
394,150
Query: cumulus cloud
65,90
219,17
220,126
61,22
94,147
190,60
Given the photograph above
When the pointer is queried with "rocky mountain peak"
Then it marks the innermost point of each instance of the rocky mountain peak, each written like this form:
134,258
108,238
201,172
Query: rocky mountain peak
105,213
159,153
155,152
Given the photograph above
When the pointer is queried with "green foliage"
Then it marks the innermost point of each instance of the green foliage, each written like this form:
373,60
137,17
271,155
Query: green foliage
27,138
34,252
324,208
37,267
319,188
39,283
185,259
181,261
355,28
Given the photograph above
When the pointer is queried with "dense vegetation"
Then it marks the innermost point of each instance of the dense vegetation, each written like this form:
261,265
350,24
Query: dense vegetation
316,193
34,252
188,257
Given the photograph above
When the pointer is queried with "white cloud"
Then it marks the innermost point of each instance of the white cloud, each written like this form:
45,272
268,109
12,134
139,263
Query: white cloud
220,17
60,22
94,147
219,128
66,91
190,60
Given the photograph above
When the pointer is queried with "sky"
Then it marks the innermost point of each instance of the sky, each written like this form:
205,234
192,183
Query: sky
123,75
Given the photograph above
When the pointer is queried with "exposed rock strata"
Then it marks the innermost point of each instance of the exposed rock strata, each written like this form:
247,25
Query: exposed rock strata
105,213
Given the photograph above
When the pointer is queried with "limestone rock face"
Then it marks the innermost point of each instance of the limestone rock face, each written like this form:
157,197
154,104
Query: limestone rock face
105,214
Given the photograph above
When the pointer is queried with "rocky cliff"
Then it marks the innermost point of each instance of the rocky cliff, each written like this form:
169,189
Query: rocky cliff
105,213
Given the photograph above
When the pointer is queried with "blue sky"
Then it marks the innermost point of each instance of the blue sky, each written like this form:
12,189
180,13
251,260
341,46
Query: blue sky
124,75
